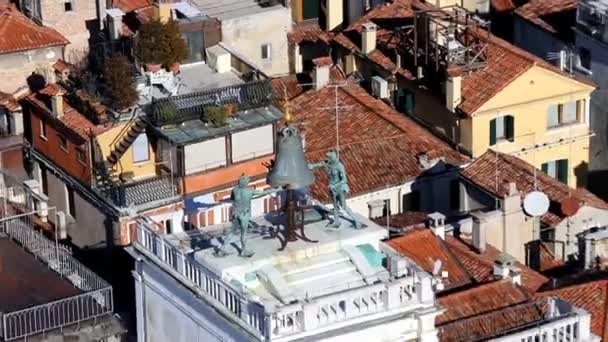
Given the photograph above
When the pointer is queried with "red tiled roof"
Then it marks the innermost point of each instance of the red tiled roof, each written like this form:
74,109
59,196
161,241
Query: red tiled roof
424,248
503,5
547,259
482,173
9,102
592,297
19,33
75,122
306,34
131,5
62,65
404,220
480,266
480,299
534,10
505,62
492,324
378,145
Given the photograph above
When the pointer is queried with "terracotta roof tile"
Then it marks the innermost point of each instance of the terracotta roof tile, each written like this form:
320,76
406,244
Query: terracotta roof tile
301,34
76,123
322,61
9,102
592,297
378,145
424,248
535,10
19,33
493,324
131,5
62,65
405,219
505,62
503,5
547,259
482,173
480,299
480,266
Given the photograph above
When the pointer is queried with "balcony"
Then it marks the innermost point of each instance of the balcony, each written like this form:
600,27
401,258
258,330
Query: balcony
73,295
146,191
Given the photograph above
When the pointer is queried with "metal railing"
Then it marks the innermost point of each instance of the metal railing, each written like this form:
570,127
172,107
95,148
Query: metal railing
97,299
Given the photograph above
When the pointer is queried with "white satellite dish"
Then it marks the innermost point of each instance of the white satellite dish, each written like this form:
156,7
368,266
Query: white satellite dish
536,203
437,267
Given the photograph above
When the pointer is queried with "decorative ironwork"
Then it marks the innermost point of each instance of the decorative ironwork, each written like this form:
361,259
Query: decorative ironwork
192,106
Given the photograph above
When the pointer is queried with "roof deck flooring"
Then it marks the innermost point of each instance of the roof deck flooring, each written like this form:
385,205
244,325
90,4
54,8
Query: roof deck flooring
26,282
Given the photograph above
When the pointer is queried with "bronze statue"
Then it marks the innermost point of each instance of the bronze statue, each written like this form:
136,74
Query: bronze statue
338,187
241,196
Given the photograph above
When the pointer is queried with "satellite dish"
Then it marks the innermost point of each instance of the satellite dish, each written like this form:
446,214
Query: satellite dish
437,267
569,206
536,203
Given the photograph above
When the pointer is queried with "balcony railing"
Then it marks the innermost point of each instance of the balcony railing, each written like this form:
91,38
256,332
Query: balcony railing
96,301
346,303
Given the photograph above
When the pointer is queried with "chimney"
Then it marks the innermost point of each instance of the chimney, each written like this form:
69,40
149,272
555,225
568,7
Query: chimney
376,208
368,38
163,10
115,16
334,13
57,104
504,268
320,75
479,231
437,224
453,95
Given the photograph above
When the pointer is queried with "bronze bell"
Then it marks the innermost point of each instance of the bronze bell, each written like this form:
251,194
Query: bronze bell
290,168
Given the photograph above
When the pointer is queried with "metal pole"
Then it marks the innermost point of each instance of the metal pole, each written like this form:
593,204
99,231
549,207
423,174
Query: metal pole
337,124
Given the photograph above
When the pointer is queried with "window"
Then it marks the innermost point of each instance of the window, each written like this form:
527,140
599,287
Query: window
82,155
168,226
557,169
501,129
67,6
565,113
42,129
455,194
411,201
584,56
141,152
63,143
266,52
71,203
44,180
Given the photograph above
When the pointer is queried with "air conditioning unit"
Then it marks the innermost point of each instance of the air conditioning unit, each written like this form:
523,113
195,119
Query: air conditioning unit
379,87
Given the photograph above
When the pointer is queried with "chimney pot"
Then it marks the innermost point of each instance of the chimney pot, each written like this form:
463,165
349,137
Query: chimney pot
437,224
368,41
320,76
453,92
479,231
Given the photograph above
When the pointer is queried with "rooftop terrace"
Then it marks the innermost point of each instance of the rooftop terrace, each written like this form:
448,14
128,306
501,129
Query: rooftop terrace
348,275
43,287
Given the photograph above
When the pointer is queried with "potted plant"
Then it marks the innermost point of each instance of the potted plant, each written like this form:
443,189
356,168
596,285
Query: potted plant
119,79
165,113
177,50
151,45
216,116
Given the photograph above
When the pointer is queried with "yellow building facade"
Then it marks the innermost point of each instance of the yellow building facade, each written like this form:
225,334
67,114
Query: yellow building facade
549,124
134,162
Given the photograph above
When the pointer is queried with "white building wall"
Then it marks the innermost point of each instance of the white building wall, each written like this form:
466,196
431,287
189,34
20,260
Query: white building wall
585,218
246,34
16,67
167,311
252,143
88,228
205,155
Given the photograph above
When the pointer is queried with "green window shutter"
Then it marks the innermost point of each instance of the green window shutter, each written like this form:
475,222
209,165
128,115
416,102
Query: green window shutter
409,103
545,167
562,171
509,127
493,132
